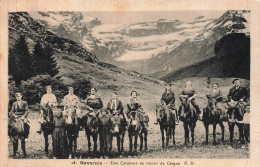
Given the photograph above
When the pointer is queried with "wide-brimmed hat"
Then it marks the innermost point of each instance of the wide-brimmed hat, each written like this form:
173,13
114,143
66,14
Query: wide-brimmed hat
213,83
235,80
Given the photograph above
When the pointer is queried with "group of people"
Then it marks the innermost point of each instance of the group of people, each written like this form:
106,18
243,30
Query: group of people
94,103
236,94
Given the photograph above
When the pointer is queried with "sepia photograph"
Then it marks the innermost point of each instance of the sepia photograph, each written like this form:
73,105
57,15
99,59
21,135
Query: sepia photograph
169,84
129,83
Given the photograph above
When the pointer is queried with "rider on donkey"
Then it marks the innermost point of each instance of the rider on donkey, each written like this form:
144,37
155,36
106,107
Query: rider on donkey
134,104
168,98
190,93
237,92
215,95
71,100
20,109
115,107
46,98
93,102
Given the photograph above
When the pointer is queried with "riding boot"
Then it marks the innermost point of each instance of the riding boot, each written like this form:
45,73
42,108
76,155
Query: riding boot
176,117
79,123
156,121
40,127
15,147
198,112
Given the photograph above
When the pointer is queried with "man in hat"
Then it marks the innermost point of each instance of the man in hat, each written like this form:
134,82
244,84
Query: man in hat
20,109
237,92
168,98
49,99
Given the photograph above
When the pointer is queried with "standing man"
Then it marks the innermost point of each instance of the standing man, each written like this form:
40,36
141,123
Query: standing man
49,99
168,98
237,92
20,109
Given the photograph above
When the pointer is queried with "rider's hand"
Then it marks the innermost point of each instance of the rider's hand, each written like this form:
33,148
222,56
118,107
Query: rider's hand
22,118
189,98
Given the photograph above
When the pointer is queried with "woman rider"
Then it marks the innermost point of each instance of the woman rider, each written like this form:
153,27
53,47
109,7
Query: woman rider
93,102
215,94
168,98
134,104
115,107
190,92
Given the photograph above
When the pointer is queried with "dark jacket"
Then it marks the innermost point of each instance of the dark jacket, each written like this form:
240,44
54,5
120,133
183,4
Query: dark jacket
21,110
111,107
237,94
169,99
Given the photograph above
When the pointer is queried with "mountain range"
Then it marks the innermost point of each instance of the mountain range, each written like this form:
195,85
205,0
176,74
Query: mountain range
164,49
73,60
152,48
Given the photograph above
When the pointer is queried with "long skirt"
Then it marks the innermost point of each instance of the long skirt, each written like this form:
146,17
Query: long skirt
60,143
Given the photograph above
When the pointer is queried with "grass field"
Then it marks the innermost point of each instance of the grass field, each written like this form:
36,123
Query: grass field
150,94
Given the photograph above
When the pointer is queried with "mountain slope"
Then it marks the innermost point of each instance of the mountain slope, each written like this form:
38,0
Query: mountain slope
201,47
128,46
76,27
232,60
73,61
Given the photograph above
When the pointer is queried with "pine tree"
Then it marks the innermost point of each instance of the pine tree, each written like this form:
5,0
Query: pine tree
44,62
39,59
51,63
21,61
12,68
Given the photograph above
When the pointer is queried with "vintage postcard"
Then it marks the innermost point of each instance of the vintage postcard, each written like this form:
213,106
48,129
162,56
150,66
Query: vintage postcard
129,83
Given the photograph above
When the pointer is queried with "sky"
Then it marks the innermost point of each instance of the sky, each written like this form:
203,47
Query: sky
150,16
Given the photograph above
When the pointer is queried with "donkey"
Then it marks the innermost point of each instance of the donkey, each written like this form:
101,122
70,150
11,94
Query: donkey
167,123
189,118
213,116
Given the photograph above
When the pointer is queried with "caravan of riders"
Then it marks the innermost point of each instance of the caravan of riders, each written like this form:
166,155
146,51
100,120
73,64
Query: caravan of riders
64,124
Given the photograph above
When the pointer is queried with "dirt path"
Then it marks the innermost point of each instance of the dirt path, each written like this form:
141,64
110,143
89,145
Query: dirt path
35,144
